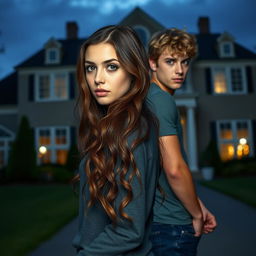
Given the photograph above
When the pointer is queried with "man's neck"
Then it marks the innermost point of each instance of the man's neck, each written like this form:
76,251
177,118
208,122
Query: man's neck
164,88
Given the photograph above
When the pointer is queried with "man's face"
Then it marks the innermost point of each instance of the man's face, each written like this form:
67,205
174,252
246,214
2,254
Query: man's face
170,70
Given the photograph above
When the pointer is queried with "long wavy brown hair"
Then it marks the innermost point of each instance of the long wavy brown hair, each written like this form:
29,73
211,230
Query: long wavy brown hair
104,130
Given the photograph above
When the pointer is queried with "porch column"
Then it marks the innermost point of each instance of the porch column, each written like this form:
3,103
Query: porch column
191,137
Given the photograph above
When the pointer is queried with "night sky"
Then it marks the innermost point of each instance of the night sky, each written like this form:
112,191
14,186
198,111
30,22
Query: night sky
25,25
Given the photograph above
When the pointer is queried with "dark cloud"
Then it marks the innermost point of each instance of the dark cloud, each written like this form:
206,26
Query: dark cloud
27,24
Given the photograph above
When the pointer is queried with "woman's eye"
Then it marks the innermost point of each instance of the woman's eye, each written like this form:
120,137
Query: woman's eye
112,67
89,68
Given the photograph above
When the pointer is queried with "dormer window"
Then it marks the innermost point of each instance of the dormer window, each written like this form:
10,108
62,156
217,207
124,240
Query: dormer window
52,56
52,52
143,33
226,46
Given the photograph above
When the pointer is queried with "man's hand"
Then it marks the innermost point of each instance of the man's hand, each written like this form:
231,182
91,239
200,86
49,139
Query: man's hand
210,222
198,225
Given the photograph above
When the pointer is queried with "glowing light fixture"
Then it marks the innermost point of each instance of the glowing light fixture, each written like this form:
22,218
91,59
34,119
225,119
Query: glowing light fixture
43,150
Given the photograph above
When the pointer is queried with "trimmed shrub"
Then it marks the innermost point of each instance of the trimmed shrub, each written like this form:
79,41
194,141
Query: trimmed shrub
22,160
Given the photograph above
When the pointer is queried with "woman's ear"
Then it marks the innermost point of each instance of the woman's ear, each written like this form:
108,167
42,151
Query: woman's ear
152,64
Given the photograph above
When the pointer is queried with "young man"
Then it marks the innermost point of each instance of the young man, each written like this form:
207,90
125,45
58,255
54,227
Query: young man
179,216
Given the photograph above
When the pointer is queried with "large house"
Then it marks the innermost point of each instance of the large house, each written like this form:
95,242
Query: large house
217,102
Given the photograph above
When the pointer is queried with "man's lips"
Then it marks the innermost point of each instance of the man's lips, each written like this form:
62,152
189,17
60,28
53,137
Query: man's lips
178,80
101,92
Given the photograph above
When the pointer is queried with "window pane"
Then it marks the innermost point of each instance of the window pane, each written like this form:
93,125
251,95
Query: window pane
60,136
44,87
227,49
226,131
60,86
236,80
227,151
44,137
61,156
242,130
52,55
220,83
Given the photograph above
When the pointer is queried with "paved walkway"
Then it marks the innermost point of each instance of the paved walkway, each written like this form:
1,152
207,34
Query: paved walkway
235,235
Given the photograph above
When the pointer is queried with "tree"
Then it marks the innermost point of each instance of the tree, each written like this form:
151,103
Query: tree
22,161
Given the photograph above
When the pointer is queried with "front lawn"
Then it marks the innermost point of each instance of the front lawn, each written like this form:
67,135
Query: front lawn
31,214
241,188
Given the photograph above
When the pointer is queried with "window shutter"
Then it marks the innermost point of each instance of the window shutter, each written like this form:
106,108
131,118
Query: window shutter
254,135
213,130
249,79
208,81
71,85
72,135
31,87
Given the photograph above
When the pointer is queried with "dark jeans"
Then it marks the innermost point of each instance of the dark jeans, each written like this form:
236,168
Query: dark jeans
174,240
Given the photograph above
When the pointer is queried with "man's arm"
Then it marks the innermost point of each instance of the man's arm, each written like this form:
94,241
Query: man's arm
180,179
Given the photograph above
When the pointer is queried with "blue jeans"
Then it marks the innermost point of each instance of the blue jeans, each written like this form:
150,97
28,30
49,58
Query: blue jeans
174,240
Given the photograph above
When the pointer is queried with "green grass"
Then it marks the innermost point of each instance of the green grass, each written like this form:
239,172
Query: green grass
31,214
241,188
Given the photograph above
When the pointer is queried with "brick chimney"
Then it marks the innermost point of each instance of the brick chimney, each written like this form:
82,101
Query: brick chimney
203,25
71,30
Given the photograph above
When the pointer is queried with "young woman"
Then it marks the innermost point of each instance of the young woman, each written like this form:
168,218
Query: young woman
119,143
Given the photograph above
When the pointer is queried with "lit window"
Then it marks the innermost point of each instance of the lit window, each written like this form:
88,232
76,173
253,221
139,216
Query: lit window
53,86
234,139
229,80
226,131
60,86
220,82
53,144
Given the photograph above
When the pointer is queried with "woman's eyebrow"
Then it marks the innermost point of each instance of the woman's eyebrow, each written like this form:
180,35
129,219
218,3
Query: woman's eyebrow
104,62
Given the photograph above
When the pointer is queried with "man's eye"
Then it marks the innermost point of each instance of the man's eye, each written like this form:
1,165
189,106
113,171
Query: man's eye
186,62
170,62
112,67
89,68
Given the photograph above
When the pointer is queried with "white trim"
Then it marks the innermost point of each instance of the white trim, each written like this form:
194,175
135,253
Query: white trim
6,141
186,102
11,133
9,111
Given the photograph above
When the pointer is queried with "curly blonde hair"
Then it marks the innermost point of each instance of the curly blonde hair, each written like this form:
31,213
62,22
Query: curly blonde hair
175,40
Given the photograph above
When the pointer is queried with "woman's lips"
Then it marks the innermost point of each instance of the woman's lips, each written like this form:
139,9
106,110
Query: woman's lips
101,92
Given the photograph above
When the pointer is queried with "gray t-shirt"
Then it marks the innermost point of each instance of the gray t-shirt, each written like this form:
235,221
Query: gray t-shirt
170,210
97,236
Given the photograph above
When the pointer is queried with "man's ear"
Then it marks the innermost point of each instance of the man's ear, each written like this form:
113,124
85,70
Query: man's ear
152,64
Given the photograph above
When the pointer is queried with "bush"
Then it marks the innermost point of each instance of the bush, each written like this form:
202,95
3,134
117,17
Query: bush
55,173
238,167
22,161
72,158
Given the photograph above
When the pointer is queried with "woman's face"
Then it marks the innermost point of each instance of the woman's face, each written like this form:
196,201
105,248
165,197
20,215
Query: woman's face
107,79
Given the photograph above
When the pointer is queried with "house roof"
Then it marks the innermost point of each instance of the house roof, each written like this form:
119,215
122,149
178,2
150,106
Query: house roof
8,90
208,50
70,50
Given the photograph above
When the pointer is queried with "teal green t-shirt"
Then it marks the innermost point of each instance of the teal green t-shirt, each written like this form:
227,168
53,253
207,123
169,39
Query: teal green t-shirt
170,210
